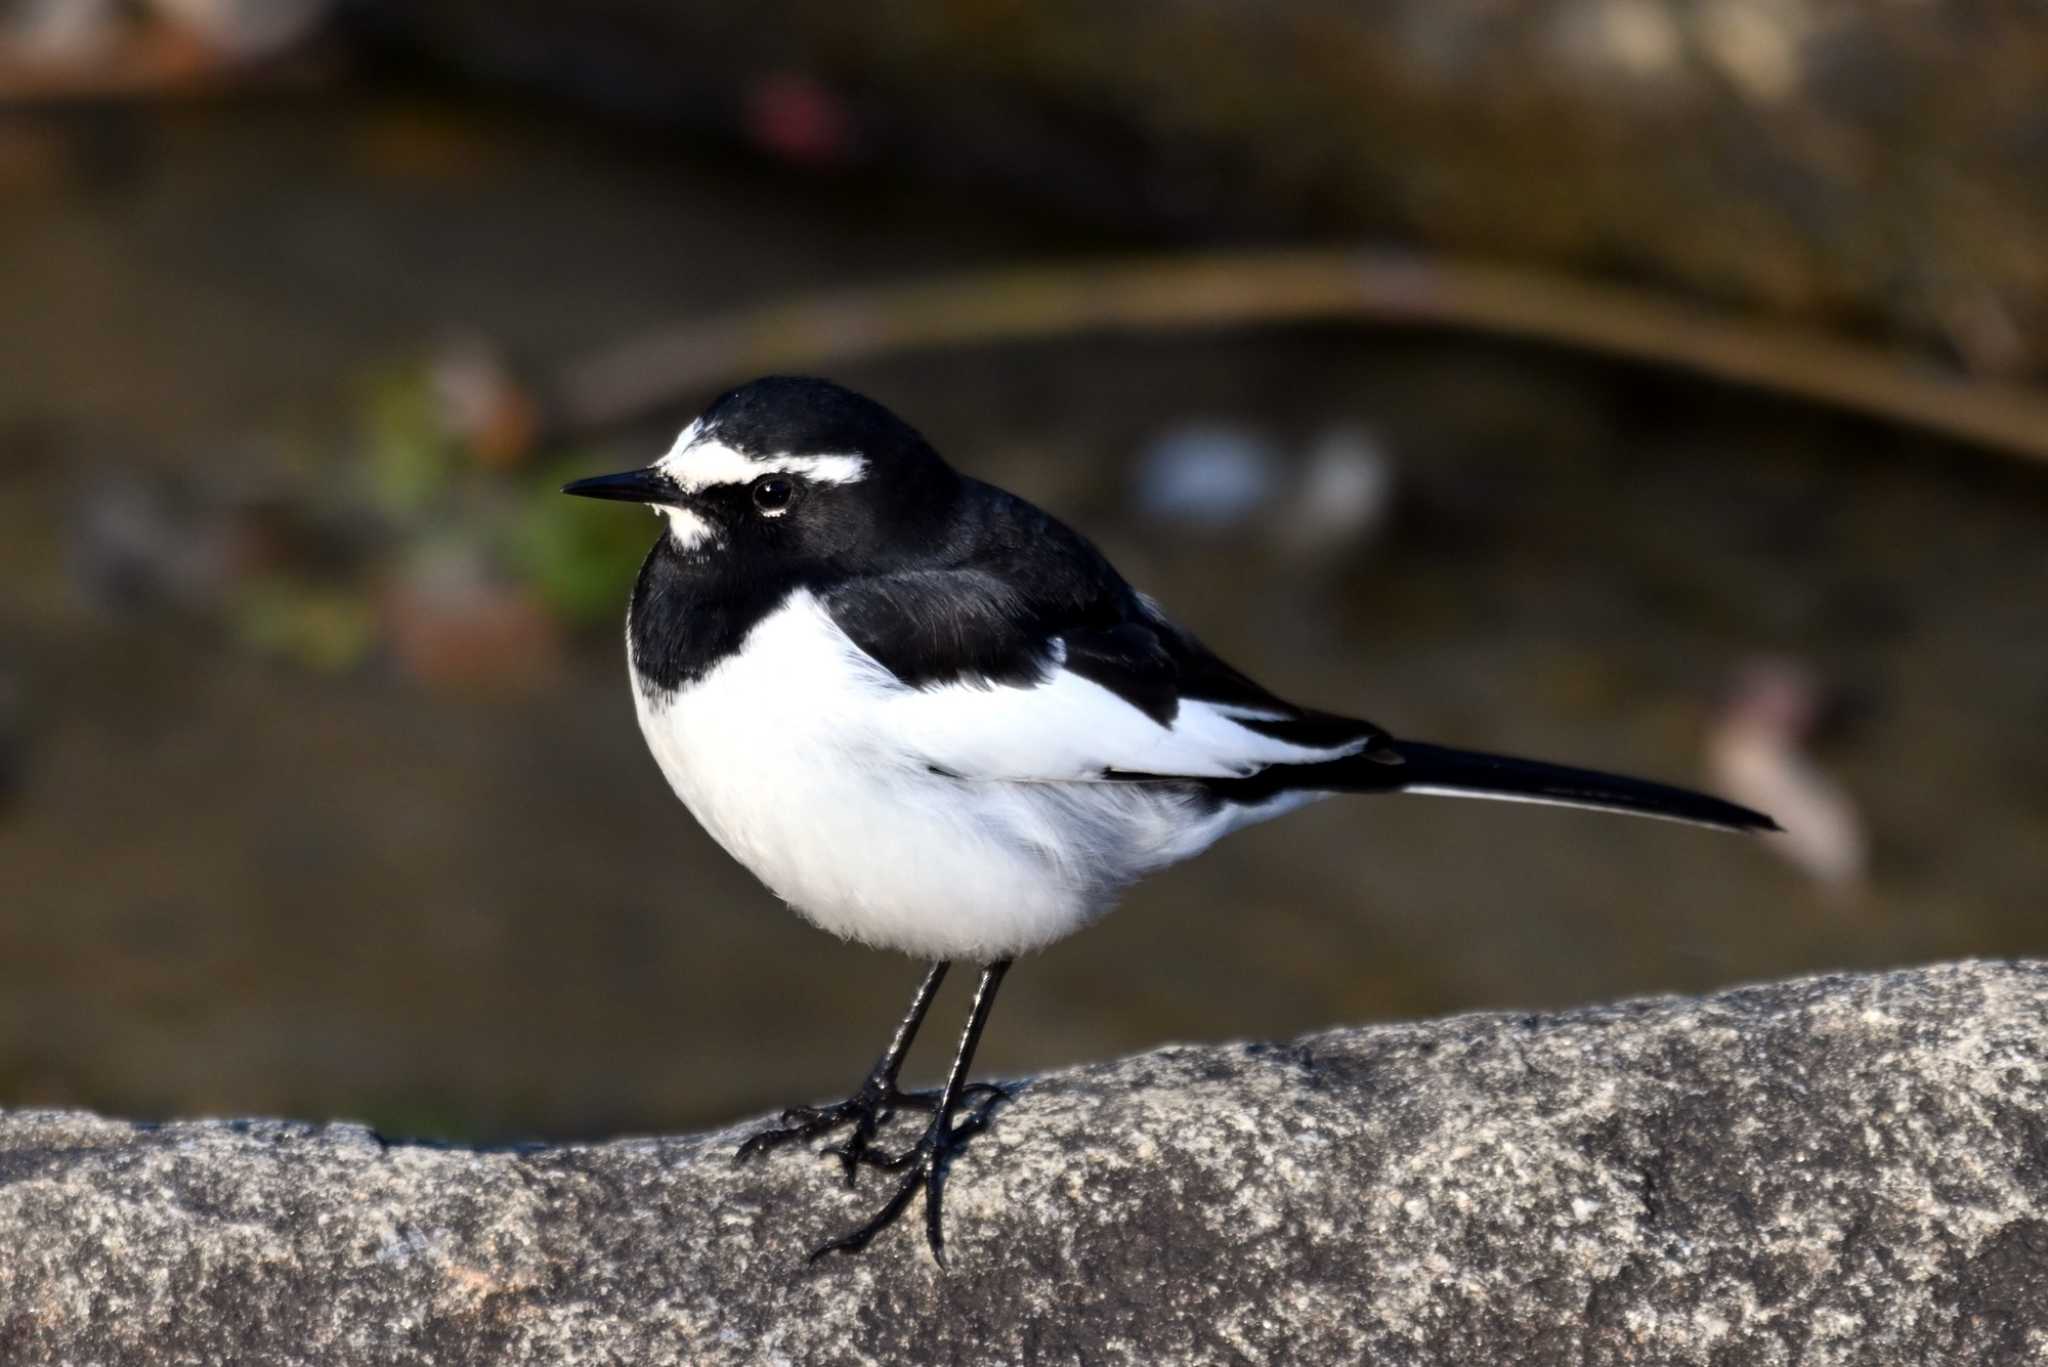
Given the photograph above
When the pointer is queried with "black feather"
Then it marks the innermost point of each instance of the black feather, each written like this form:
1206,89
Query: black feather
1012,594
1404,766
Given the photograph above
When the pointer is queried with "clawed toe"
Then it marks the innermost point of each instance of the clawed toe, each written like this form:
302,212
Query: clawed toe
853,1241
926,1162
858,1148
866,1110
775,1136
800,1123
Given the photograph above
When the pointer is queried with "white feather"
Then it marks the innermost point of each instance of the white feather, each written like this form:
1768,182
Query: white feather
698,461
1070,729
1536,800
814,768
685,528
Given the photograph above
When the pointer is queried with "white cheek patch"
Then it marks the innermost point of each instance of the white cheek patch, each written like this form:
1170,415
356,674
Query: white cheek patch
698,462
685,528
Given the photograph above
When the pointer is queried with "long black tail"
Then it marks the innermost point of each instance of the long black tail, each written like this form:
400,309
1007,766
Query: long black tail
1466,773
1406,766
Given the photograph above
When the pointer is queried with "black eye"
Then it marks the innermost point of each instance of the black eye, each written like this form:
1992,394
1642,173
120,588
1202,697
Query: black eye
772,493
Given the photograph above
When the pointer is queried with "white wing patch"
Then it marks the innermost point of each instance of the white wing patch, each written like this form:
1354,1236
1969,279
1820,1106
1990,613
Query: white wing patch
1071,729
699,461
1067,729
1239,712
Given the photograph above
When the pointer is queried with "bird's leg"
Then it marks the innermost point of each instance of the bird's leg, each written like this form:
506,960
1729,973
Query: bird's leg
928,1158
871,1104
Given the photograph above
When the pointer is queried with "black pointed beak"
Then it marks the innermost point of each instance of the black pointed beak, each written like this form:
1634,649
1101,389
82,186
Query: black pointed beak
634,486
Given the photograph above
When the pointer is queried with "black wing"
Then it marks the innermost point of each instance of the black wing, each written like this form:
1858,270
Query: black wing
1035,603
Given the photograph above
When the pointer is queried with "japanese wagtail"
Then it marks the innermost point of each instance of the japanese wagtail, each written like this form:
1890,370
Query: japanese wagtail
933,718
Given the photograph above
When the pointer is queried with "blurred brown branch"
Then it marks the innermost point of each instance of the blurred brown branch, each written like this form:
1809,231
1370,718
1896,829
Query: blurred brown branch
1861,161
1238,289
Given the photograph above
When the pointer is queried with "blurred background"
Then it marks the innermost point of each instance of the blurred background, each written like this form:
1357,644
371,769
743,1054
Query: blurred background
1647,383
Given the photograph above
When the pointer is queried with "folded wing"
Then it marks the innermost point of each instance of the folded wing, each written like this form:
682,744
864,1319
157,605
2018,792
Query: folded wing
990,679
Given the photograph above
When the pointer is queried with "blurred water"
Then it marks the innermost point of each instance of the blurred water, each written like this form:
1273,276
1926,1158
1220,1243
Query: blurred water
231,883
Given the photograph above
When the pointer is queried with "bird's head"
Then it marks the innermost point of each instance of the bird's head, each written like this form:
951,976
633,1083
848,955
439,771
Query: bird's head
792,472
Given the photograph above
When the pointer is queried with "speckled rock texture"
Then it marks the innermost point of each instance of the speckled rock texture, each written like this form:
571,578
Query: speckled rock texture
1848,1169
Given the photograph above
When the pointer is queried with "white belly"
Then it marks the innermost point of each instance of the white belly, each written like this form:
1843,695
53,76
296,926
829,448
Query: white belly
781,752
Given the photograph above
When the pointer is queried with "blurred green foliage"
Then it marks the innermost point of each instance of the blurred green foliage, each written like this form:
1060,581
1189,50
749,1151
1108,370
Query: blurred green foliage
422,480
409,457
579,556
321,627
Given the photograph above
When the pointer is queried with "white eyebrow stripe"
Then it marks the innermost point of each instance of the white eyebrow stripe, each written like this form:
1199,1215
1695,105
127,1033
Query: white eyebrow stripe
696,462
823,469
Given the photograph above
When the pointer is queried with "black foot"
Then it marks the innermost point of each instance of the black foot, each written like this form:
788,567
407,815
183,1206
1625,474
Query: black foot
927,1161
867,1110
852,1150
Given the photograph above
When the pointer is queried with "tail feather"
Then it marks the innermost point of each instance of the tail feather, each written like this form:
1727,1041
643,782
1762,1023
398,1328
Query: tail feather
1406,766
1465,773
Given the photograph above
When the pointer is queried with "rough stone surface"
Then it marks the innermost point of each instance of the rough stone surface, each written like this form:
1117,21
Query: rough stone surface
1834,1170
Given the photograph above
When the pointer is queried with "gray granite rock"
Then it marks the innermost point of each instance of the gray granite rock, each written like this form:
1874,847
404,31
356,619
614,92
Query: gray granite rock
1835,1170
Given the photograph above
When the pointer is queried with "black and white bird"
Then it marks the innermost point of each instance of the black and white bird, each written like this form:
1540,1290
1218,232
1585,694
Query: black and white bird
933,718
